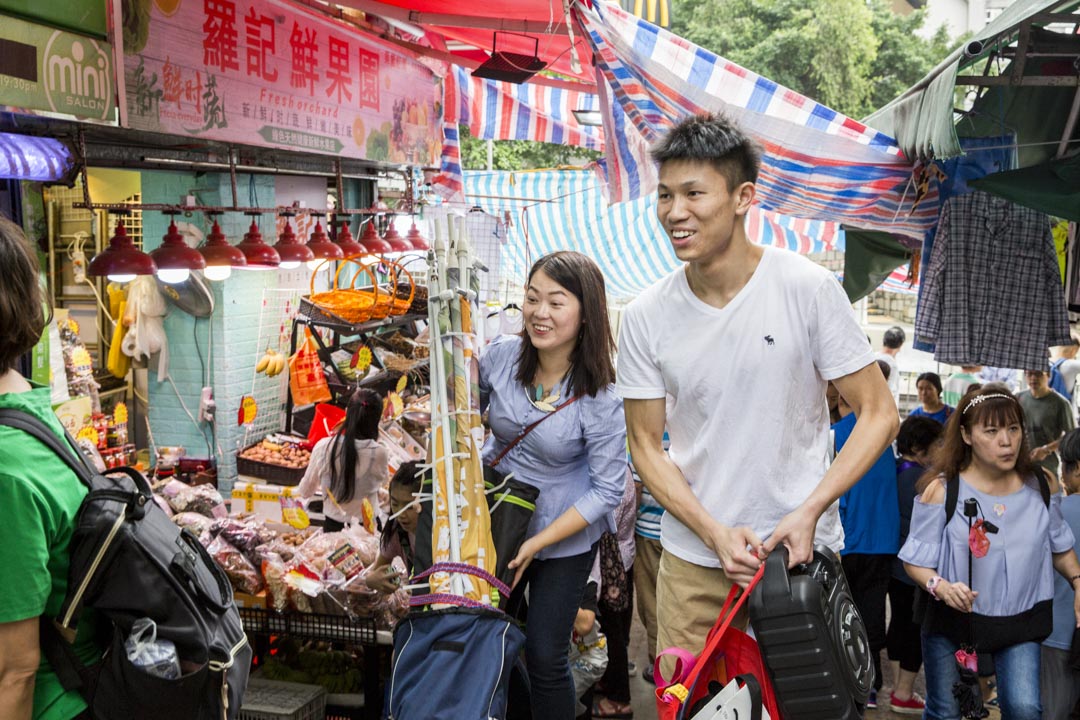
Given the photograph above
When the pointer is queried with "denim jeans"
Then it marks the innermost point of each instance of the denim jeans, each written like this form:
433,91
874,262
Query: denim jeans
556,587
1017,679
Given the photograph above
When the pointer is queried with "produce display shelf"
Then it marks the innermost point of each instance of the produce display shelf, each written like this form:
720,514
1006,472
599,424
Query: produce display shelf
261,623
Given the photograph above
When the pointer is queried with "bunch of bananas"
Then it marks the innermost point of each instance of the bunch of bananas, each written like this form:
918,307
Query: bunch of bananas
271,363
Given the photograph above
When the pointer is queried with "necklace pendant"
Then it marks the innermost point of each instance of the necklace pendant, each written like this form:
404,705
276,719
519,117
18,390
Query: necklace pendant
545,406
999,509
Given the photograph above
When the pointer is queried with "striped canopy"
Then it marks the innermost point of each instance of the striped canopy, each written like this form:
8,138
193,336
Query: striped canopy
566,210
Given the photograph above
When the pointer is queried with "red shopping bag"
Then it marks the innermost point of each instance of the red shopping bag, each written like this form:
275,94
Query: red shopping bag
728,652
327,418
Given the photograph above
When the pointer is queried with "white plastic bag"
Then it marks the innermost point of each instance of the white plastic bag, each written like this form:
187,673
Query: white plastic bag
149,654
588,661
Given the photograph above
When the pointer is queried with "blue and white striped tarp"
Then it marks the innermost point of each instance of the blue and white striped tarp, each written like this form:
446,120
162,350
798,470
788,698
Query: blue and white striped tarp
566,210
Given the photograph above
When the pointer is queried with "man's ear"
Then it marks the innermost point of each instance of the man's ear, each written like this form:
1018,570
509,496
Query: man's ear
745,194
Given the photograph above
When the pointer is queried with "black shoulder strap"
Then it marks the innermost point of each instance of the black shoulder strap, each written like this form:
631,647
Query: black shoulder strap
65,451
1044,485
952,494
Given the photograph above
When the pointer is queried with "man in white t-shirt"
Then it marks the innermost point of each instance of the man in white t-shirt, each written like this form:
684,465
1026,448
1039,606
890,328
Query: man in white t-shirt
732,353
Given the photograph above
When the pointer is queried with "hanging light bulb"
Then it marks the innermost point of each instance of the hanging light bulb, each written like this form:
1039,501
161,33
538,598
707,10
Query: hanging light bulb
121,261
292,249
346,242
258,254
175,259
371,241
321,246
220,256
417,240
393,238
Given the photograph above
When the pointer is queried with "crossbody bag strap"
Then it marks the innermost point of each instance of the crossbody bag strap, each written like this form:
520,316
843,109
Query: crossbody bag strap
529,429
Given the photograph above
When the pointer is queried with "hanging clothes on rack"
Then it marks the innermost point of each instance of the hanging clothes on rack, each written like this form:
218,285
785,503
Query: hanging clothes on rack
992,292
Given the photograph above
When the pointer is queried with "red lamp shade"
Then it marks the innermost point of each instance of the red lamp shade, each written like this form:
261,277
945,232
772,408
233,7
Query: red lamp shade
257,252
416,239
320,245
347,242
372,242
174,259
394,239
220,256
122,261
292,249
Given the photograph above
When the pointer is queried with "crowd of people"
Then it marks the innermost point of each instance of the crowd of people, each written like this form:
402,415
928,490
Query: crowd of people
671,472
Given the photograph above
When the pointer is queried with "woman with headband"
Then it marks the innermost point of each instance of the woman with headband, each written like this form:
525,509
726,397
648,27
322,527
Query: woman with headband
986,536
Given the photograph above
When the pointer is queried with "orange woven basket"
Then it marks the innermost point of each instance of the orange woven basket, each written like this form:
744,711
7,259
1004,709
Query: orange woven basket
345,303
380,307
401,298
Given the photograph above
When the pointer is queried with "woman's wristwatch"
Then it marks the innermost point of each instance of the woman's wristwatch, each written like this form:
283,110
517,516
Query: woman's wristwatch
931,586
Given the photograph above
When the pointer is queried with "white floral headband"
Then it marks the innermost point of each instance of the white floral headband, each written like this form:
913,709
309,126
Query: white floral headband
976,400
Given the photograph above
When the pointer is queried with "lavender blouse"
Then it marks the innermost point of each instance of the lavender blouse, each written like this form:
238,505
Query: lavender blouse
577,458
1017,572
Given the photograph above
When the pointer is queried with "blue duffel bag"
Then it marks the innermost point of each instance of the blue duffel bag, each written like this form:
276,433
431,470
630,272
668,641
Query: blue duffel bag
452,664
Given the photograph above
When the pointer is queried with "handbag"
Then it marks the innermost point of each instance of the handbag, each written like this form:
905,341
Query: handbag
728,653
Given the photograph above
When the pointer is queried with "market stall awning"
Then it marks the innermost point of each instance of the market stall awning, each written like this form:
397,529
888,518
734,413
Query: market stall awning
1053,187
922,119
566,210
817,163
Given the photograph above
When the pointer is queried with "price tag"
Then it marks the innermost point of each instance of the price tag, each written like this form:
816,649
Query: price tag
88,433
402,382
248,410
120,413
361,359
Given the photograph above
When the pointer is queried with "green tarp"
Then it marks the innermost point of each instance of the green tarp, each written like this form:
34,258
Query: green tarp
869,257
1052,188
921,119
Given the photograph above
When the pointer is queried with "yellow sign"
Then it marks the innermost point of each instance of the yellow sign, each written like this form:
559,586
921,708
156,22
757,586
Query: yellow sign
248,410
361,360
88,433
120,413
402,382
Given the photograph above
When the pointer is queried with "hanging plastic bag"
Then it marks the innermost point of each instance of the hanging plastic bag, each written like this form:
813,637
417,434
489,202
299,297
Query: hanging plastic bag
306,378
153,656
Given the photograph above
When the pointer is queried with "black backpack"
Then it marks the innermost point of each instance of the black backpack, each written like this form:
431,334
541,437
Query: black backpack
130,561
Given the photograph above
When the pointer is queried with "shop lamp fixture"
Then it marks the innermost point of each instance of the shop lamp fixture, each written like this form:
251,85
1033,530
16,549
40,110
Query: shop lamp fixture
220,256
175,259
373,244
347,242
321,246
292,249
258,254
121,261
417,240
397,243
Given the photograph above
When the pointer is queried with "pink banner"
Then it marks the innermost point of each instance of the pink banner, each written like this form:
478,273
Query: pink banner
268,73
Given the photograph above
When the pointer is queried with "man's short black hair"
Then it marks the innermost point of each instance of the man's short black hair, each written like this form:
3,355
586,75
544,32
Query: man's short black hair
894,338
916,433
716,139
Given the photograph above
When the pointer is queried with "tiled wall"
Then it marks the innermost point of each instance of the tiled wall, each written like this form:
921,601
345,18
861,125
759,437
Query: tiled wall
232,331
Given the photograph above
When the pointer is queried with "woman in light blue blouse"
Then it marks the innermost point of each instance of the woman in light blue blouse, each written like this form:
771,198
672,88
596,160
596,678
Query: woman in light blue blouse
561,370
1006,606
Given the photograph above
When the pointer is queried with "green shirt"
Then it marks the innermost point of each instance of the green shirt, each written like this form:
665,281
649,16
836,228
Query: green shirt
39,499
1046,419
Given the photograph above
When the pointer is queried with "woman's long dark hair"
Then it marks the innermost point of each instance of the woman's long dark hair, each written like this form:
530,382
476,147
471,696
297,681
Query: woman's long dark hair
1000,408
361,423
22,303
591,365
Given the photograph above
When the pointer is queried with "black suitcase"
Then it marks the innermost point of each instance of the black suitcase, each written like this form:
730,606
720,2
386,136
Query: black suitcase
812,638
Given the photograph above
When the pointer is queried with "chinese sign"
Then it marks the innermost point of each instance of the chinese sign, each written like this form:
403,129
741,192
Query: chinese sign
268,73
52,71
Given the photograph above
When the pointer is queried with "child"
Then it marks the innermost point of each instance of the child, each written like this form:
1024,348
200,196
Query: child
349,466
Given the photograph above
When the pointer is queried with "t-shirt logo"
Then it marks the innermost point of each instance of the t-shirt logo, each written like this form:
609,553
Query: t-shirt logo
769,340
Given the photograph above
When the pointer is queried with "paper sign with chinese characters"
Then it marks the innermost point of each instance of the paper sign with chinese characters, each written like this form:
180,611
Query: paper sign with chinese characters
269,73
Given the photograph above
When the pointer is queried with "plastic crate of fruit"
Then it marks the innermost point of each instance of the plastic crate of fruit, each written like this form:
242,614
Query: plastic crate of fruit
275,700
278,459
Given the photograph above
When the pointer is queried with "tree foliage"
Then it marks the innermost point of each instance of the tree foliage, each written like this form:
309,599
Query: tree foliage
851,55
519,154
